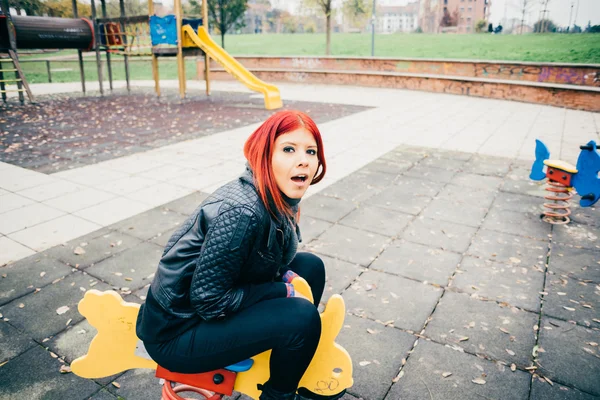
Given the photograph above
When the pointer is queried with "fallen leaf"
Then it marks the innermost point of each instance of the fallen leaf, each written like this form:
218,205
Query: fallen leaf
513,367
590,351
116,384
593,344
65,369
62,310
463,339
504,331
69,321
53,355
3,363
118,273
364,363
548,380
42,274
79,251
514,260
372,331
479,381
446,374
21,305
512,353
568,308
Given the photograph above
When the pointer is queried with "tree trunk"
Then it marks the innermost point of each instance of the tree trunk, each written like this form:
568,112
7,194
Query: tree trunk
222,39
328,46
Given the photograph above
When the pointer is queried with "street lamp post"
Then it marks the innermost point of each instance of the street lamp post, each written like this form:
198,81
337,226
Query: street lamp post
373,30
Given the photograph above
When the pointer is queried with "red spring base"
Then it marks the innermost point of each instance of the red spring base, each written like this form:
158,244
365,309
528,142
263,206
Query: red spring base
170,392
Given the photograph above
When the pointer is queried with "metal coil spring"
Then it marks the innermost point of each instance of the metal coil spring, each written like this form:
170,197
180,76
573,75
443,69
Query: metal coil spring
558,211
171,392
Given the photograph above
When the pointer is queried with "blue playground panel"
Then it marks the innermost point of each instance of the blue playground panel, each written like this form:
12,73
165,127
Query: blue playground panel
163,30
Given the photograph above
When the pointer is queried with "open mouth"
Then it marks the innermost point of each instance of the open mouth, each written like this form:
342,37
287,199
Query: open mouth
300,178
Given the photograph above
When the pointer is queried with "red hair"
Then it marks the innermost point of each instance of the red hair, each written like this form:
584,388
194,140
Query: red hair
258,150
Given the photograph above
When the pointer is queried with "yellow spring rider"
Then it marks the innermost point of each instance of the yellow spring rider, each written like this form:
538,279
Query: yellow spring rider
116,348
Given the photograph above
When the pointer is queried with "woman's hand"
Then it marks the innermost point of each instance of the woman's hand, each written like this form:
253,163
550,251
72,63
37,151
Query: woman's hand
300,295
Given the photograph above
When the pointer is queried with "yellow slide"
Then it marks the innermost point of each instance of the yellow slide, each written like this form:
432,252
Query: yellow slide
231,65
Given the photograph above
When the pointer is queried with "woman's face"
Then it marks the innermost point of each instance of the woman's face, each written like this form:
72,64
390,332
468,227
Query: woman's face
295,162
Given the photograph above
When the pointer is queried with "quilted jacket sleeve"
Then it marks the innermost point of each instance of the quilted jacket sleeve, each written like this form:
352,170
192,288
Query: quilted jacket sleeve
229,240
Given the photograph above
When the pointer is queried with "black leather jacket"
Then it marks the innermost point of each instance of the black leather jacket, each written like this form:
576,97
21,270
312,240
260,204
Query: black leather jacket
221,253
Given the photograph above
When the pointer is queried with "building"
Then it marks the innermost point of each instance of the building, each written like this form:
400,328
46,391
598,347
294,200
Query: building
469,12
392,19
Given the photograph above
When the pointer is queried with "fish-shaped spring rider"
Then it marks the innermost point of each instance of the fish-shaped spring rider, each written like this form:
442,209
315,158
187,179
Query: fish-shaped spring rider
116,348
564,178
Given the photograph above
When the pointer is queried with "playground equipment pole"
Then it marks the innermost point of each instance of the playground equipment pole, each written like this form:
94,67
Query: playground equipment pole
97,48
154,57
206,57
125,56
180,60
79,53
108,66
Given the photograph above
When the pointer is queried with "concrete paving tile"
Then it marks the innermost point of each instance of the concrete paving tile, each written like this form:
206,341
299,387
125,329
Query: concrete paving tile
25,275
74,342
578,263
349,244
311,228
425,366
90,175
12,342
39,317
542,390
159,194
80,199
360,185
470,197
36,375
408,195
485,165
507,248
96,247
476,181
517,181
327,208
27,216
12,201
142,259
565,359
407,153
103,395
511,284
435,160
518,202
431,174
112,211
162,239
441,234
453,211
417,262
385,297
339,275
577,235
129,184
53,232
459,316
15,179
12,251
572,300
394,167
377,220
150,223
49,191
517,223
373,380
137,384
585,215
186,205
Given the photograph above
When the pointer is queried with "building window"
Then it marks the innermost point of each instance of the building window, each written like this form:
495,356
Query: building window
469,20
468,29
462,9
470,9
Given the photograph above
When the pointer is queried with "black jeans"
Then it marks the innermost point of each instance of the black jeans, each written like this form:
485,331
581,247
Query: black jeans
289,326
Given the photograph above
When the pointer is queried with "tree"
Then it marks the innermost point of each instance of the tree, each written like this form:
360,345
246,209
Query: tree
543,26
64,8
326,7
449,20
524,6
31,7
357,12
480,25
226,14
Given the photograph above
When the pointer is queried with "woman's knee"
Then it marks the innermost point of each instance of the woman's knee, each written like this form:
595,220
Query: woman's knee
303,318
310,265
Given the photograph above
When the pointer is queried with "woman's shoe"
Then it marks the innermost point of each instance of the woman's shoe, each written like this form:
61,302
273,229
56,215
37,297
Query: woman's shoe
305,394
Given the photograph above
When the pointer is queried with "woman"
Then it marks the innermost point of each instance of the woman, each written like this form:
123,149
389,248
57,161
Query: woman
222,290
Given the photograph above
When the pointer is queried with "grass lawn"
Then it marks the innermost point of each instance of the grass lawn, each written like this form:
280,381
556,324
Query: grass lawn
576,48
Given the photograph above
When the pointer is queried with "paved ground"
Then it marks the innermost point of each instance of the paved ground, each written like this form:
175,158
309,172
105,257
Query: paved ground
427,223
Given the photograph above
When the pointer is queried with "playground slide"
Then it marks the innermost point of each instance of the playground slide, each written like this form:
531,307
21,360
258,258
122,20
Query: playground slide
232,66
